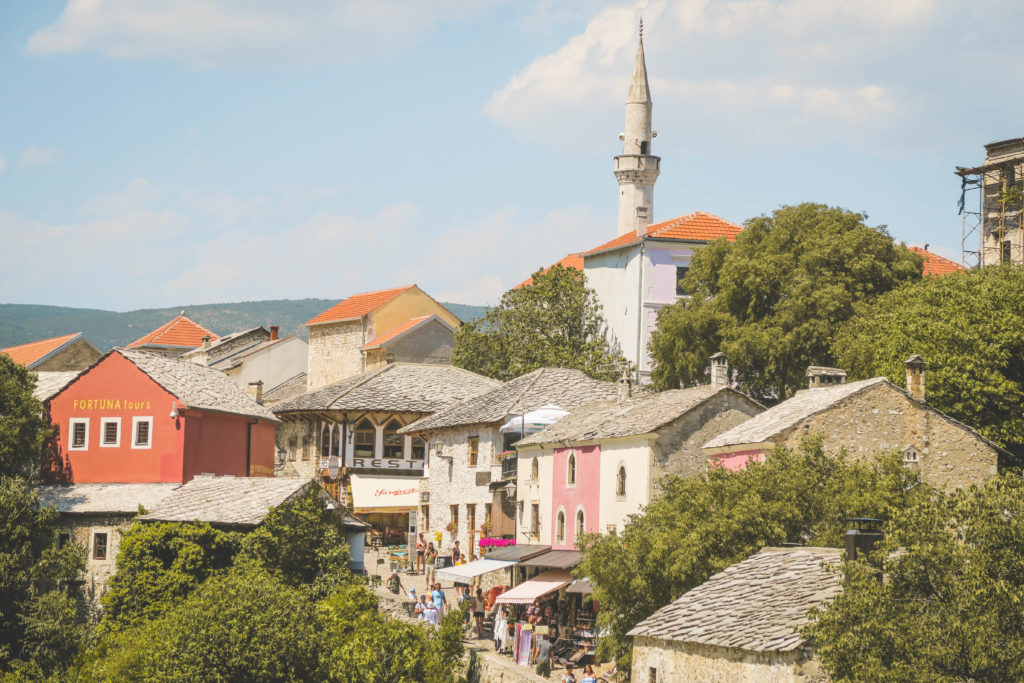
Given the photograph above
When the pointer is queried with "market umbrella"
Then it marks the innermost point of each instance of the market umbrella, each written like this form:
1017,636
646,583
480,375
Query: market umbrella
535,420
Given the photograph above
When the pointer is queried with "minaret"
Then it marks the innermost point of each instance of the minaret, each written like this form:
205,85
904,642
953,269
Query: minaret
636,169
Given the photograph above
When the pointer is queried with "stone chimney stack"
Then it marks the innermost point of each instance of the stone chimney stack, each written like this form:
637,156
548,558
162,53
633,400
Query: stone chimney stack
273,332
206,342
719,370
819,377
915,376
256,390
625,386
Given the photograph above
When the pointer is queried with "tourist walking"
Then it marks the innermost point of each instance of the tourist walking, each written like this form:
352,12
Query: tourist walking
421,550
437,595
478,613
456,553
431,562
430,613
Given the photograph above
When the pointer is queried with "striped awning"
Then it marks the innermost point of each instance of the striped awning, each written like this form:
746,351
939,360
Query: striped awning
542,584
461,572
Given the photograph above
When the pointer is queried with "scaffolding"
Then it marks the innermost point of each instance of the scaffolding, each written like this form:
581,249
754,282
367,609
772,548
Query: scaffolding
991,206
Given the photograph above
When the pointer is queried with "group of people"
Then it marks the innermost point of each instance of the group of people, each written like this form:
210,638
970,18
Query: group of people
430,608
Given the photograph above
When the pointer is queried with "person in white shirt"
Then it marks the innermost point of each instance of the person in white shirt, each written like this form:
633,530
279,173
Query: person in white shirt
430,613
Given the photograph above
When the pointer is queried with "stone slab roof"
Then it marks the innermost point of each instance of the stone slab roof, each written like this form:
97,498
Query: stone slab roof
633,416
240,501
95,499
288,389
49,384
758,604
398,387
197,386
565,388
778,418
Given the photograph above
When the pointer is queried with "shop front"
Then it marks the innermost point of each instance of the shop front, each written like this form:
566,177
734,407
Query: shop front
387,504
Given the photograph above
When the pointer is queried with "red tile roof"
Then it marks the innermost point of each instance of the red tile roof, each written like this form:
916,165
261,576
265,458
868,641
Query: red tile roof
935,265
570,261
697,226
395,332
181,331
27,354
357,305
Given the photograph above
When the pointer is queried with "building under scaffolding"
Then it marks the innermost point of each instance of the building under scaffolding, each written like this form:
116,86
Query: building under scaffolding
990,204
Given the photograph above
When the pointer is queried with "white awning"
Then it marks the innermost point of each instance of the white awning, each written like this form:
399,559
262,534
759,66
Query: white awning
390,494
542,584
462,572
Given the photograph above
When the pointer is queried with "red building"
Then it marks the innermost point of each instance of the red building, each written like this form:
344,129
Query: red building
138,417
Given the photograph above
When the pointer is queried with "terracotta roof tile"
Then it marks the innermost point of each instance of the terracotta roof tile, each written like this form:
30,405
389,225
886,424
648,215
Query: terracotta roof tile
357,305
27,354
570,261
396,331
181,331
697,226
935,265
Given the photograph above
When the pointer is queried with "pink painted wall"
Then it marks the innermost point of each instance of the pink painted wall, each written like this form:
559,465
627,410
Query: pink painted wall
737,460
586,492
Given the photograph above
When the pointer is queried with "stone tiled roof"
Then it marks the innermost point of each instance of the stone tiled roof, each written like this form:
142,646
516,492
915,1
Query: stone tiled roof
565,388
758,604
242,501
49,384
288,389
197,385
97,499
778,418
636,415
398,387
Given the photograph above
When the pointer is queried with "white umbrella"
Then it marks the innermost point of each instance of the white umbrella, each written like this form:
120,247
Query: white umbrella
535,420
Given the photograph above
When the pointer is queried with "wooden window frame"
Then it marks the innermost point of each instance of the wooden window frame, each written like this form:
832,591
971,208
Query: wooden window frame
99,550
474,451
71,434
104,421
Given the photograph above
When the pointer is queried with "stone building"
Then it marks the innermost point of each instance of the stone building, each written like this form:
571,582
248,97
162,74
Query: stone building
358,421
72,352
256,355
590,470
174,338
866,418
465,492
1000,181
741,625
366,330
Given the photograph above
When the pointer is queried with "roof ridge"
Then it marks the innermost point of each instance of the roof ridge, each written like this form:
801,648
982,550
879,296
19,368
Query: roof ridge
366,378
540,373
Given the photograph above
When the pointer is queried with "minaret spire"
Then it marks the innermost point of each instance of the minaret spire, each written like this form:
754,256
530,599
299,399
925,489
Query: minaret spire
636,169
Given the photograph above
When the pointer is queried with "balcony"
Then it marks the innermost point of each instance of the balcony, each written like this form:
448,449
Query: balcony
509,465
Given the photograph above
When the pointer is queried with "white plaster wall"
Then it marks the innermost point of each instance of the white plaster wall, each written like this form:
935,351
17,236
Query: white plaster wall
637,455
614,276
531,491
273,365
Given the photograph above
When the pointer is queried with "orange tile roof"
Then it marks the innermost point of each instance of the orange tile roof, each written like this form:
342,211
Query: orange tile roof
180,331
27,354
357,305
570,261
394,332
697,226
935,265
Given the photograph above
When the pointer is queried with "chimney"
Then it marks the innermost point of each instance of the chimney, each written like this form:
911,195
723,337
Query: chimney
206,342
256,390
625,386
915,376
862,538
719,370
273,332
819,376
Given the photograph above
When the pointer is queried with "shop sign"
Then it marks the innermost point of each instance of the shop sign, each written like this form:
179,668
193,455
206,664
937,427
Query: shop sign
385,463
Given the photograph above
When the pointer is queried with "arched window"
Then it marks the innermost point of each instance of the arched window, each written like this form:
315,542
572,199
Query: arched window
580,523
534,470
419,448
560,527
570,470
393,440
325,441
364,439
620,481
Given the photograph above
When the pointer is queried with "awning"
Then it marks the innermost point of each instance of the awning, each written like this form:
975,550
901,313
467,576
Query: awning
462,572
559,559
542,584
534,421
371,493
517,552
580,586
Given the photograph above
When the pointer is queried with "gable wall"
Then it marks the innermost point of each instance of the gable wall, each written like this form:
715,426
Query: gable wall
334,352
78,355
675,661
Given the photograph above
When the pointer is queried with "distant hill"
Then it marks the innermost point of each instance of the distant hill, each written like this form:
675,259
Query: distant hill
21,323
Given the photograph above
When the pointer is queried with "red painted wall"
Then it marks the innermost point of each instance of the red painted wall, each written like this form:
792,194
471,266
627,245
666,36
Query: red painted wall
737,460
181,448
587,493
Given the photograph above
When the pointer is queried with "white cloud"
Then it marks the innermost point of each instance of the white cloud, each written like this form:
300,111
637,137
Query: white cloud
39,156
216,32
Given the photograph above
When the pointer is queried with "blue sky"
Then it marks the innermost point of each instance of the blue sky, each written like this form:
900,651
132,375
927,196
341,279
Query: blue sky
157,154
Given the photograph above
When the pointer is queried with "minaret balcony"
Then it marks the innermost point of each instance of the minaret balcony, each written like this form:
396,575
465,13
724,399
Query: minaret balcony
637,162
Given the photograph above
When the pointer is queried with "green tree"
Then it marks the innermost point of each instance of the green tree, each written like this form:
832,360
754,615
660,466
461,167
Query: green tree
951,607
968,328
555,322
773,299
23,429
700,526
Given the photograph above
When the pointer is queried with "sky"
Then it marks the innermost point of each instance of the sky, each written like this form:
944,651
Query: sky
160,154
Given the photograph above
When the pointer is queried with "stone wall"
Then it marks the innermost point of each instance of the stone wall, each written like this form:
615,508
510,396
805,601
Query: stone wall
884,418
334,352
431,343
306,461
675,661
81,528
76,356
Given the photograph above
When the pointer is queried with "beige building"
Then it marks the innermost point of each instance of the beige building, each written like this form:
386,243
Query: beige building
863,419
994,205
256,355
72,352
367,330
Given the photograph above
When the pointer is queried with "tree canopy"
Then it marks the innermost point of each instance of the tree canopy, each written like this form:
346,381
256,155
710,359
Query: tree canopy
968,328
23,429
772,300
555,322
700,526
951,607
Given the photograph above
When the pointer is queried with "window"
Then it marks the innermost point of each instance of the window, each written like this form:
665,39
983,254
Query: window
620,481
419,448
652,675
535,519
63,538
326,437
393,441
305,448
643,146
99,546
570,469
453,513
110,432
581,523
910,456
293,448
1006,253
142,432
534,470
474,450
79,431
365,439
680,274
425,517
560,527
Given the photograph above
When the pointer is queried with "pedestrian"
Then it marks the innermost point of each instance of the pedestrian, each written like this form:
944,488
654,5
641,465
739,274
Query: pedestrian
421,605
421,549
456,553
430,613
542,652
439,600
462,560
500,630
478,613
411,593
431,561
588,675
394,583
568,676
